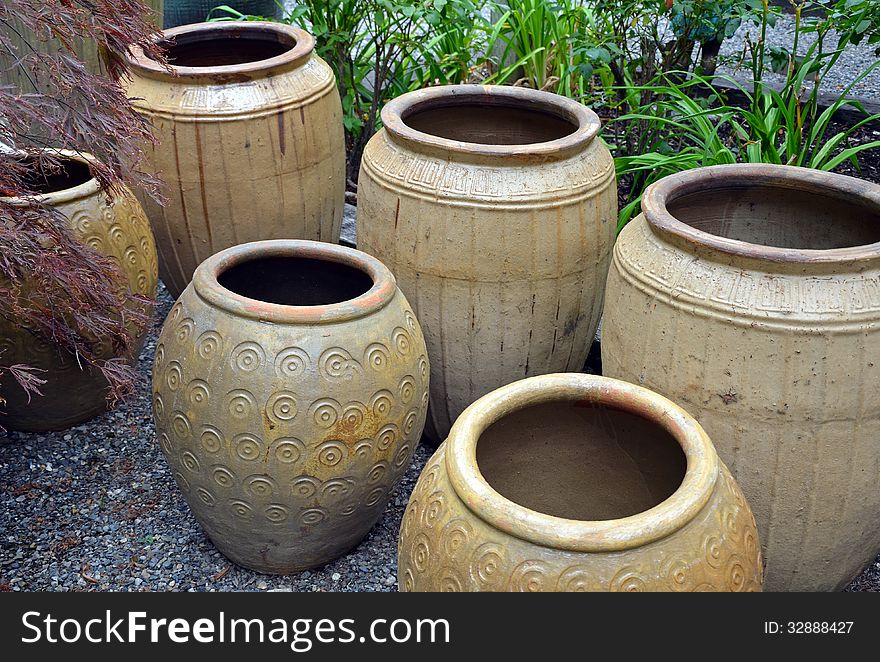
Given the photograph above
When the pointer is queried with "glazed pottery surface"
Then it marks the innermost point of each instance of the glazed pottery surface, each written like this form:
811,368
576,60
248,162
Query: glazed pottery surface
750,295
290,404
117,228
496,209
250,141
573,482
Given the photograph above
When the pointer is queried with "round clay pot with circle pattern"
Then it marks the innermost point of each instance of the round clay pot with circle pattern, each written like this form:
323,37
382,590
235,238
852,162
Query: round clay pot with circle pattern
115,226
572,482
290,389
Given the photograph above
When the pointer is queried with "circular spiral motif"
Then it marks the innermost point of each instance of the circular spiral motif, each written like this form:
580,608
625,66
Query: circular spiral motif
407,389
375,496
529,577
159,358
408,581
182,482
224,477
455,537
143,282
288,450
165,444
131,255
421,552
197,392
409,423
325,412
676,572
208,344
712,550
402,457
158,407
410,517
410,320
305,487
96,243
281,406
337,362
576,580
434,509
353,417
291,362
401,341
363,448
377,356
276,513
241,509
386,437
736,574
248,357
313,516
430,473
173,375
336,488
730,522
180,425
241,404
184,330
175,312
211,439
205,496
348,509
259,486
247,447
81,222
449,581
377,473
190,462
332,452
488,565
424,370
750,542
381,403
628,580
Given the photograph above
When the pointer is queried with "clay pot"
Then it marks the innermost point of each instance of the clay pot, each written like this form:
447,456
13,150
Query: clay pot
750,295
290,391
496,209
117,228
250,142
182,12
572,482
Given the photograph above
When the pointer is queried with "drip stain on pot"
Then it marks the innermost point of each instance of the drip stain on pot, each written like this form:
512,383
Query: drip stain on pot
581,463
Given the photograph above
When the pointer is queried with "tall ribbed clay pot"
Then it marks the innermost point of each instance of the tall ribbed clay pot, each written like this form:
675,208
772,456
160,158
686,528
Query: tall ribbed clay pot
116,227
750,295
495,207
572,482
249,128
290,389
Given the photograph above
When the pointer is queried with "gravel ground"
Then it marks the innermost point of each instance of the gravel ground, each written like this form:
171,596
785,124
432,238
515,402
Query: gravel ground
96,508
853,61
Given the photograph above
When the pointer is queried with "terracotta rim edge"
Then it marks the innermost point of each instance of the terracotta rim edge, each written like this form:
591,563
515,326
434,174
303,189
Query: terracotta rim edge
377,297
395,112
648,526
304,45
659,195
84,190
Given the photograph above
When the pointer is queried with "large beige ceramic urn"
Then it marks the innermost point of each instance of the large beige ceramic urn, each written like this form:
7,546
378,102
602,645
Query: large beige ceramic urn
573,482
750,295
290,389
248,125
116,227
496,209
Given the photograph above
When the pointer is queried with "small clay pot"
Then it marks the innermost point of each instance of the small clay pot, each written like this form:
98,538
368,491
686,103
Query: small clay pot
116,227
290,389
571,482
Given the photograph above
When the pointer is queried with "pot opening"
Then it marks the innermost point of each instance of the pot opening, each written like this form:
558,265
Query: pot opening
580,461
295,281
489,123
210,49
44,181
779,217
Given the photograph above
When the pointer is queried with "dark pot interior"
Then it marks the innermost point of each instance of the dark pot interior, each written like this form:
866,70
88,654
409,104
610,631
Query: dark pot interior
44,180
222,48
296,281
779,217
580,461
489,123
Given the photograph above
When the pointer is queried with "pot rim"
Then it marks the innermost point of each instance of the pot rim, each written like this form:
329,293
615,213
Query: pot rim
304,45
62,196
395,112
659,195
377,297
545,530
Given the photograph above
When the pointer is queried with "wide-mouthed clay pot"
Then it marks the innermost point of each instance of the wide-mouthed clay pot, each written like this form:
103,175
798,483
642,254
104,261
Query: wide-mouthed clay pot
290,389
116,227
573,482
496,208
750,295
250,143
